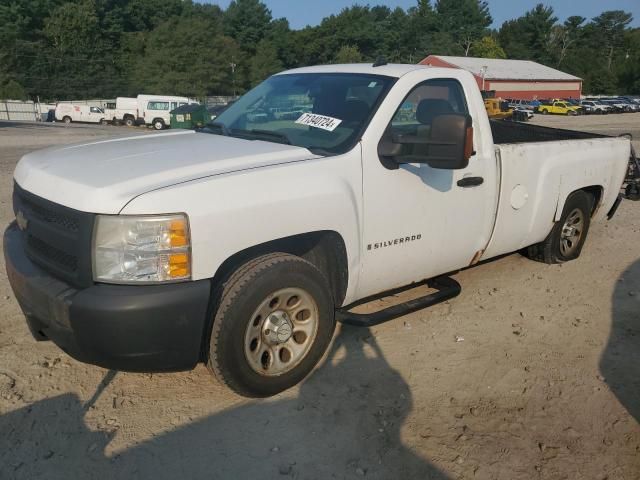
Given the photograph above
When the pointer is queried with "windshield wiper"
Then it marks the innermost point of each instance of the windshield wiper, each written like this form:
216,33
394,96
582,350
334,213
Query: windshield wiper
320,151
217,128
263,134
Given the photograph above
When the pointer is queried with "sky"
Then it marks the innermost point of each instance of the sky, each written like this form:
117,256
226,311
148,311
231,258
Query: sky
301,13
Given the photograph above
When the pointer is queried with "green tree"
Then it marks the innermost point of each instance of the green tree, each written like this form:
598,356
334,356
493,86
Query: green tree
12,90
185,56
71,49
248,22
72,28
528,37
348,54
564,37
145,15
466,21
611,26
487,47
265,62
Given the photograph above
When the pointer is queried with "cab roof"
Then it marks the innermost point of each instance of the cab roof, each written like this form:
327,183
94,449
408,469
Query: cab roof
396,70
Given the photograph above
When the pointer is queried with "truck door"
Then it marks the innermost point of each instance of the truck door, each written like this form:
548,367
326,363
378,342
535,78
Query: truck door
95,114
419,221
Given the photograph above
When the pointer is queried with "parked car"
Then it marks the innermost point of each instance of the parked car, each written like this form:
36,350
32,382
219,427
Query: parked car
521,104
72,112
576,103
595,107
240,246
629,105
522,114
155,110
616,107
558,108
123,110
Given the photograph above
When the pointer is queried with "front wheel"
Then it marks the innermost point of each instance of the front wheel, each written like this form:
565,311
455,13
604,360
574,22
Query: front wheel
568,235
545,112
66,119
273,325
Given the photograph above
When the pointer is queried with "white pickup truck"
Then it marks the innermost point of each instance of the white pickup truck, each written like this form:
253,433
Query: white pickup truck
241,245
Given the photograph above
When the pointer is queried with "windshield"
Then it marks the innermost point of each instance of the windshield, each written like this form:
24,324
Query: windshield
324,112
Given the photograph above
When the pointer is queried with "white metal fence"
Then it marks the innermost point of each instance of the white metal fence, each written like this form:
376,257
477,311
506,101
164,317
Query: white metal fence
218,100
17,110
37,112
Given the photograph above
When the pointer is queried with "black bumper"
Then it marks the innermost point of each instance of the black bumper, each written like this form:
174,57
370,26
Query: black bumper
132,328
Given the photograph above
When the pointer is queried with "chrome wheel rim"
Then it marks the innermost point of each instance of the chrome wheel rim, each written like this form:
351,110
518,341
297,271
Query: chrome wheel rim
571,232
281,331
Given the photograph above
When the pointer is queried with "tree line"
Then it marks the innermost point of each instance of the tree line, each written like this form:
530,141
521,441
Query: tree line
70,49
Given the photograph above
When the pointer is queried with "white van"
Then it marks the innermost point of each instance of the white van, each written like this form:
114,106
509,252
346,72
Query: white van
124,110
154,109
70,112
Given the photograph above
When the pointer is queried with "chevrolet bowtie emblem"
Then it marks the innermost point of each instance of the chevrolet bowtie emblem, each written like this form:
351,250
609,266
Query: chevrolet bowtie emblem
21,220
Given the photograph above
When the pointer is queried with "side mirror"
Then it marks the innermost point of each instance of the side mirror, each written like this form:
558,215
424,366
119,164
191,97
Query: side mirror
447,145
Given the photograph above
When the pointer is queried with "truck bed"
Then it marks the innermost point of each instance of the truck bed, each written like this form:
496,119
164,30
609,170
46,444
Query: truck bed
538,168
506,131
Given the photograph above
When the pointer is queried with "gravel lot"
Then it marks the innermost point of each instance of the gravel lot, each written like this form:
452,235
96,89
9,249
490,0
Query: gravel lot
533,372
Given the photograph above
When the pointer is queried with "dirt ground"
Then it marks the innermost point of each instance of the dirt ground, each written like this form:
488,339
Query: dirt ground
533,372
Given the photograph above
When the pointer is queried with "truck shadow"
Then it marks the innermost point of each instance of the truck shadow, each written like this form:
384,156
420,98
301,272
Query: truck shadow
620,362
345,423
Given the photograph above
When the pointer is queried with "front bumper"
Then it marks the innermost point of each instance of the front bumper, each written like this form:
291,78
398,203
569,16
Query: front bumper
132,328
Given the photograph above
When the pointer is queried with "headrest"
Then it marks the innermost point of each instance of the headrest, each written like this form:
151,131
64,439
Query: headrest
430,108
355,110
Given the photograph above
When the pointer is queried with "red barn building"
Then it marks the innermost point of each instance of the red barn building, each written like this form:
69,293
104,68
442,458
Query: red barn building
520,79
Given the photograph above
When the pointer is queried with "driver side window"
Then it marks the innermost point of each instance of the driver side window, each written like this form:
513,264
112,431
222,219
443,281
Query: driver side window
425,102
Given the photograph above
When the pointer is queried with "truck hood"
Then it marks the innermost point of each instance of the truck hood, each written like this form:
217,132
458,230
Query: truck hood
103,176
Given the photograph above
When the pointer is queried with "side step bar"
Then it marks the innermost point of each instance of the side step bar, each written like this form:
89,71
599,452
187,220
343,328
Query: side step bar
447,288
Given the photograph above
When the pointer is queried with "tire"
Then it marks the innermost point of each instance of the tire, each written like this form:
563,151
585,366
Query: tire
103,121
554,248
632,192
572,113
246,312
66,119
545,112
128,121
158,124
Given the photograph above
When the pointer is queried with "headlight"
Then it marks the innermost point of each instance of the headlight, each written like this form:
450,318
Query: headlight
145,249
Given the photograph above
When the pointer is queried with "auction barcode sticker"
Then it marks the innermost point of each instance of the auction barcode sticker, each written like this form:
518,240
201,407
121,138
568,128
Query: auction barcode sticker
319,121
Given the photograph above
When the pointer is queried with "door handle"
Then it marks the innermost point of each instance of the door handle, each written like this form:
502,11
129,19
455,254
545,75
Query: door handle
467,182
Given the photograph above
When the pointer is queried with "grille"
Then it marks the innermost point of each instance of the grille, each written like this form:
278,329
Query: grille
52,254
56,238
50,216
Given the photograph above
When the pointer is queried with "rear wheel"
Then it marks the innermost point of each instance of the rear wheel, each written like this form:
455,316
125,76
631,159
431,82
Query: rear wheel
568,235
66,119
128,121
158,124
103,121
545,112
274,323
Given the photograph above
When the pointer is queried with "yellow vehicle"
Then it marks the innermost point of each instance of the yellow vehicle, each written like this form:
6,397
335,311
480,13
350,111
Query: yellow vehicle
498,108
559,108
